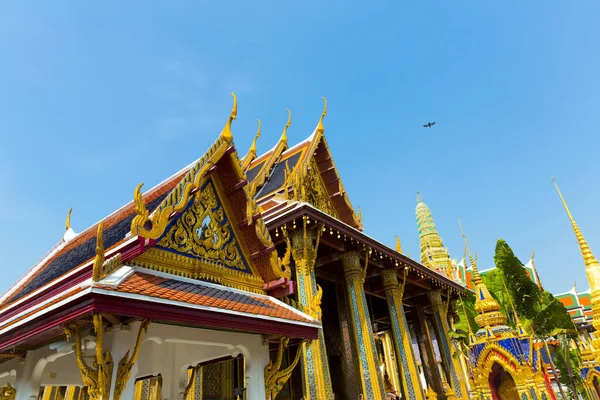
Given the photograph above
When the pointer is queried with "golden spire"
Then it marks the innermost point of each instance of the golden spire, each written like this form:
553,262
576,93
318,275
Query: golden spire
226,133
486,306
398,245
289,122
433,253
320,127
588,257
476,275
251,155
68,222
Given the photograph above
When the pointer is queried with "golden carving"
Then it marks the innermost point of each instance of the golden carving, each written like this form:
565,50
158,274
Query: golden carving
7,392
275,377
226,133
99,260
203,231
178,198
251,155
430,394
96,378
320,127
127,363
68,222
103,268
141,212
306,185
177,264
398,245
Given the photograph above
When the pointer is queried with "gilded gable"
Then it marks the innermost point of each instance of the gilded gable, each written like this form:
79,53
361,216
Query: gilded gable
203,232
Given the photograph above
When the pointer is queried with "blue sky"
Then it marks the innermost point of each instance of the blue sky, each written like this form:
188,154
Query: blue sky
96,97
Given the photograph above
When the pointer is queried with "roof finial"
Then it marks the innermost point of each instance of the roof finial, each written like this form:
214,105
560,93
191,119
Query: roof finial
289,122
69,233
320,127
398,245
473,262
226,133
68,222
99,260
251,155
586,252
419,200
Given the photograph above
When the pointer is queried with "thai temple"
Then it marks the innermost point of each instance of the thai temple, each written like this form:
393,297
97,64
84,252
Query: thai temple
241,277
505,363
436,256
589,342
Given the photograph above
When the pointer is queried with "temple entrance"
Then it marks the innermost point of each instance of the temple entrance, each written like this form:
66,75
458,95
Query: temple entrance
502,384
596,384
217,379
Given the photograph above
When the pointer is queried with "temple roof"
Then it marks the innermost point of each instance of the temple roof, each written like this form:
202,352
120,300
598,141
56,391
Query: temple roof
176,290
67,256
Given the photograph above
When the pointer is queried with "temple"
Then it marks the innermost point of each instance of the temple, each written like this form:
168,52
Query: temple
249,278
589,339
505,363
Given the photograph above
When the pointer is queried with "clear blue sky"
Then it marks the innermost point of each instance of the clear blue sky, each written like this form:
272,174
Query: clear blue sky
96,97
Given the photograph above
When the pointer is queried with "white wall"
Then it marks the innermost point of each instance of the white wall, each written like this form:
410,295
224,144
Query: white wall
166,349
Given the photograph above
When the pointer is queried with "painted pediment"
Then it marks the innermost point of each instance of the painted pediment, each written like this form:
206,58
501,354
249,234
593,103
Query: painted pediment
204,232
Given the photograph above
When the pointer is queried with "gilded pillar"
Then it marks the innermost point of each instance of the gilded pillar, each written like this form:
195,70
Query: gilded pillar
315,367
445,344
411,382
372,385
391,363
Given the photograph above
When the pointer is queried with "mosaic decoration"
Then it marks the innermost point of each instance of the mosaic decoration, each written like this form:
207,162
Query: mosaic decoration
203,232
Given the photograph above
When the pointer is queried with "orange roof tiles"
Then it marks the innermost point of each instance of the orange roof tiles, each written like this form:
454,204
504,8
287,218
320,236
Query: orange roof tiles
208,295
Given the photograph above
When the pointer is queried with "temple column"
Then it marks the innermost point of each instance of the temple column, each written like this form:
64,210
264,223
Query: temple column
372,385
430,368
315,367
406,361
441,327
351,375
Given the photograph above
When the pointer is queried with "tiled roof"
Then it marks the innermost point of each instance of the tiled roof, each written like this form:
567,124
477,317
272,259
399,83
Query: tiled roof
206,294
82,248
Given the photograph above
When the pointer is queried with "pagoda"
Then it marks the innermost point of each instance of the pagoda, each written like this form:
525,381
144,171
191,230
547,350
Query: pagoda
505,363
589,342
433,253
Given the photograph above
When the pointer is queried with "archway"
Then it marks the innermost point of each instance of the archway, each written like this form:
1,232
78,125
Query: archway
502,384
596,383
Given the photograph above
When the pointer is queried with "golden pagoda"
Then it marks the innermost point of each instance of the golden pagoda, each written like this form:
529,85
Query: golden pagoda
590,352
433,253
505,363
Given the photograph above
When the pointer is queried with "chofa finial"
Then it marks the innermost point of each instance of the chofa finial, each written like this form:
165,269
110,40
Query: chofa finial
226,133
320,127
398,245
68,222
289,122
253,147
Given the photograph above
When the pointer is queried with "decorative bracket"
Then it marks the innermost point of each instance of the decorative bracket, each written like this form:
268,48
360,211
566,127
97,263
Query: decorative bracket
275,377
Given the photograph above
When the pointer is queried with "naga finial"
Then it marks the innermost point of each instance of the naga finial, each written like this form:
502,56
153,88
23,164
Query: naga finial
253,147
289,122
226,133
320,127
398,245
68,222
99,260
